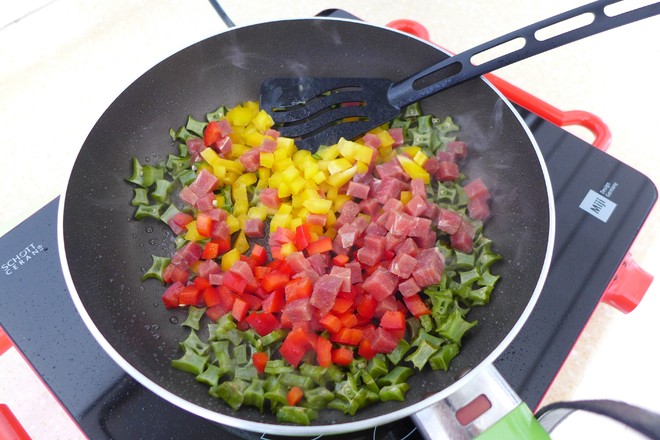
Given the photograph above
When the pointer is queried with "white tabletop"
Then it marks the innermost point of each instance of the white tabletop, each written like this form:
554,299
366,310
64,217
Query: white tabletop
62,62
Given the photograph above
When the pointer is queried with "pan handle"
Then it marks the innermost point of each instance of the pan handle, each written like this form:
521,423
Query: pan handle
486,407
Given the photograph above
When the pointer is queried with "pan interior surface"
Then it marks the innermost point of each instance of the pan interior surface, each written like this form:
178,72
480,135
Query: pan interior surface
104,251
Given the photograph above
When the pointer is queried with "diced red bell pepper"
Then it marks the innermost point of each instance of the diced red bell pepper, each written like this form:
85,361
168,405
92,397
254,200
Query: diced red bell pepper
173,273
211,251
340,260
211,297
263,323
276,252
212,133
294,396
416,306
342,356
303,236
190,295
341,305
261,271
240,309
298,288
227,296
260,359
201,283
393,320
259,255
348,319
216,312
274,280
323,352
319,246
331,323
171,295
367,306
347,336
234,281
365,350
274,303
204,224
224,244
294,346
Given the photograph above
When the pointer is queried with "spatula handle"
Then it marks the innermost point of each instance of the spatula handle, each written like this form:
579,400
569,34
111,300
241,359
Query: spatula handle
462,67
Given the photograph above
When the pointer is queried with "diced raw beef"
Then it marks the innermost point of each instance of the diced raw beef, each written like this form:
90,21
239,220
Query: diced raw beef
250,160
205,203
397,135
317,219
298,262
361,223
418,188
220,230
389,188
427,240
223,146
350,208
393,205
458,148
430,265
416,206
381,284
393,241
409,287
187,255
477,190
347,235
400,223
369,206
408,246
431,211
188,195
420,227
478,209
269,144
344,273
359,190
445,156
403,265
431,165
325,292
217,214
389,303
448,221
356,271
447,171
384,341
208,267
269,197
204,183
299,310
319,262
369,255
242,269
391,169
371,140
463,239
375,229
254,227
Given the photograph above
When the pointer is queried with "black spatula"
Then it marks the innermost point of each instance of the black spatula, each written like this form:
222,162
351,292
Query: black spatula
319,111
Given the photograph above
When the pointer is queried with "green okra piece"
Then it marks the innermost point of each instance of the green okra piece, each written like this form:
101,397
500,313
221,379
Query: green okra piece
151,211
254,394
296,414
318,397
399,374
156,270
141,197
421,355
191,361
231,391
441,359
291,379
210,376
195,314
399,351
393,392
377,366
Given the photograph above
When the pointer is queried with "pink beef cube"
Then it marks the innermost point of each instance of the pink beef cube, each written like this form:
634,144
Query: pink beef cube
458,148
427,240
325,292
408,246
381,284
394,205
403,265
299,310
254,228
420,227
448,221
319,262
393,241
298,262
269,197
243,270
416,206
418,188
409,287
369,255
205,203
391,169
369,206
347,235
397,135
400,223
430,265
359,190
375,229
447,171
356,271
345,274
317,219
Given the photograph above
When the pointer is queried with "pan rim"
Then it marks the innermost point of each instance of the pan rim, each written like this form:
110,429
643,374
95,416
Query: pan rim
313,430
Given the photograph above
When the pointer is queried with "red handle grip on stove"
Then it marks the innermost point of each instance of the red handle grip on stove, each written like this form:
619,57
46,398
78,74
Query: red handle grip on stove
10,427
628,286
600,130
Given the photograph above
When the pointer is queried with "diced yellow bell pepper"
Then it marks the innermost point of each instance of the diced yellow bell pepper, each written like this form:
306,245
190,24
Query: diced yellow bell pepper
310,170
319,177
266,159
340,200
210,156
283,190
362,167
283,164
247,179
287,249
237,150
290,174
340,179
233,223
280,221
298,184
239,116
328,153
301,158
286,144
318,206
192,234
285,208
259,211
229,258
295,222
405,196
241,244
264,175
338,165
420,158
386,139
413,169
220,172
410,150
219,200
263,121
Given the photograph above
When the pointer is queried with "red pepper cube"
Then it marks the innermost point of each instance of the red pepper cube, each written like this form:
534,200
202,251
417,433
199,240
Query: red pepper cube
342,356
260,359
234,282
240,309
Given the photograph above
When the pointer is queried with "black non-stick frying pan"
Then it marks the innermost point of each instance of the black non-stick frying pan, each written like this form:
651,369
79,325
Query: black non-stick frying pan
104,251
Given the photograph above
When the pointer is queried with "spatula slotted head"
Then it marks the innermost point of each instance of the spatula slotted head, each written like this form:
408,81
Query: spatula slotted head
320,111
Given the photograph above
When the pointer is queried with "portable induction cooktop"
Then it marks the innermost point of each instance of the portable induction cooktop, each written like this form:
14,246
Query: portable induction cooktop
601,204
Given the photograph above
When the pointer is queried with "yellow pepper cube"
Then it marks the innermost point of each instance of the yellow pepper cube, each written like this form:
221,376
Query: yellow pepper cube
338,165
386,139
405,196
411,151
331,220
280,221
340,179
340,200
233,223
210,156
237,150
287,145
285,208
319,177
259,211
310,170
247,179
295,222
290,174
364,154
328,153
253,139
229,258
241,244
302,157
283,164
362,167
420,158
331,193
287,249
219,200
318,206
346,148
266,159
240,116
232,165
283,190
220,172
413,169
297,185
263,121
192,234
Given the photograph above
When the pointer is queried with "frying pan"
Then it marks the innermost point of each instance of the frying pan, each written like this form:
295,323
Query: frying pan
104,251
